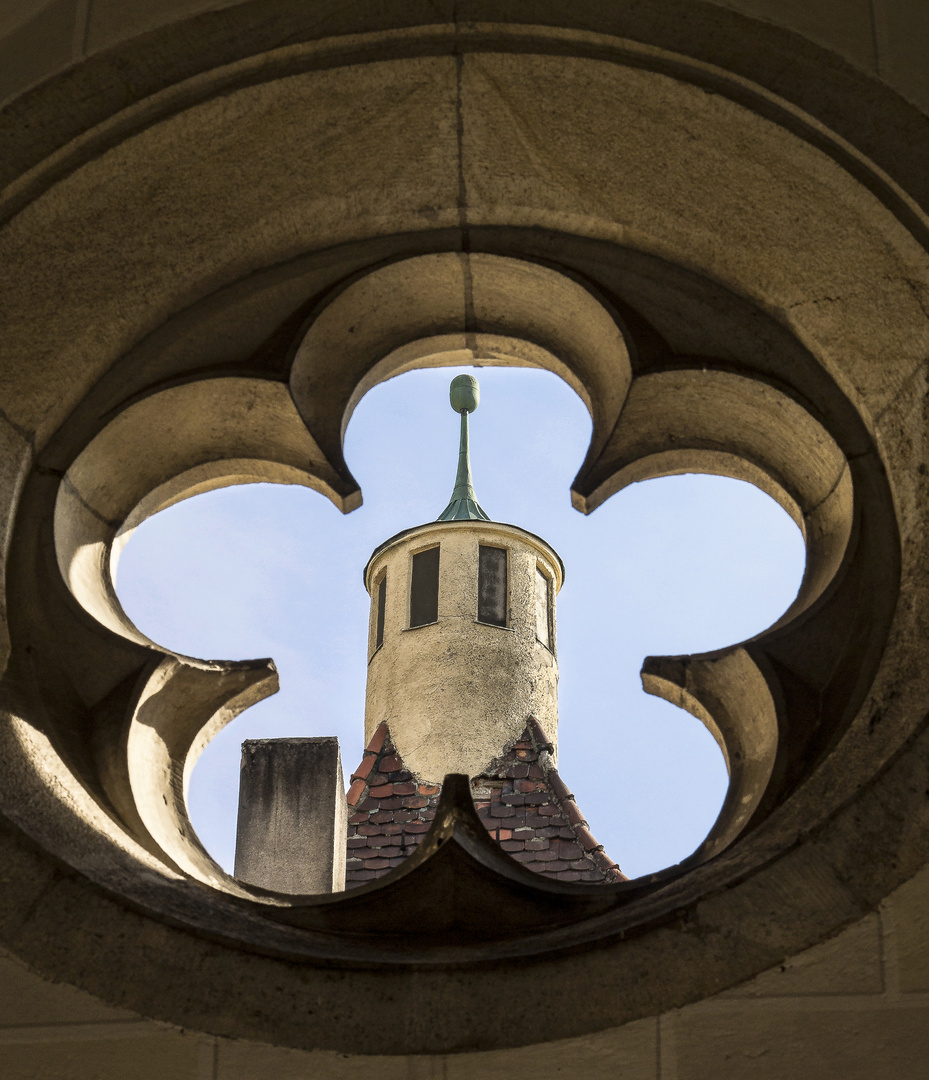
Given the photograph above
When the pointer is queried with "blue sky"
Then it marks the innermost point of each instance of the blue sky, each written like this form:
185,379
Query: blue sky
670,566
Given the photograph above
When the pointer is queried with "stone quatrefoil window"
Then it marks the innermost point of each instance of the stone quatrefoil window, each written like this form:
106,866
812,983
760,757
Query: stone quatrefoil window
771,702
588,699
685,415
724,263
673,418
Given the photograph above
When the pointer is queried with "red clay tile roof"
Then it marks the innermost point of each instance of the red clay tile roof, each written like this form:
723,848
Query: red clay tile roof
389,813
521,799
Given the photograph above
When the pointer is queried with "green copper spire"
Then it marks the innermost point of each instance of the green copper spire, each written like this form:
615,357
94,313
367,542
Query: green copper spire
464,395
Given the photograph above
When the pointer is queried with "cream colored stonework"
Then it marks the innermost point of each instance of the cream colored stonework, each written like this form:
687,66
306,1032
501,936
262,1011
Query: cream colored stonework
846,1008
455,692
178,203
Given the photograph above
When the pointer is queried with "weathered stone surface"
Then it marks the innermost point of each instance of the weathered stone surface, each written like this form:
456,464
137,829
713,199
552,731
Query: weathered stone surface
768,1042
28,1001
849,963
36,40
629,1053
908,944
163,1055
750,195
397,184
110,21
847,28
901,28
290,835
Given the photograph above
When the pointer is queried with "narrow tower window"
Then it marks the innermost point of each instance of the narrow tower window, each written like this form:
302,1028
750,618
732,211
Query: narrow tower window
424,588
381,609
543,608
491,585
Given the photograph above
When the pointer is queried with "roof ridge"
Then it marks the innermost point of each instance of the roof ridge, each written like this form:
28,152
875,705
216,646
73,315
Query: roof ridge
592,848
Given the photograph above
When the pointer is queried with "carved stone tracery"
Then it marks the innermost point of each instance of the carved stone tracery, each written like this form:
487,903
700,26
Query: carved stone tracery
729,297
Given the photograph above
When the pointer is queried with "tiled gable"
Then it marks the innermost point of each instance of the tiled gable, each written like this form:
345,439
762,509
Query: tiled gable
389,812
531,813
521,799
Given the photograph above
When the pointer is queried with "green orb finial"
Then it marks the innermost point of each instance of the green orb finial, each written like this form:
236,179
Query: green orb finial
464,393
464,396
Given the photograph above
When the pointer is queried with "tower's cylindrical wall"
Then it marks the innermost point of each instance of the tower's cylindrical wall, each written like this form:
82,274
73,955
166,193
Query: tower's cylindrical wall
456,691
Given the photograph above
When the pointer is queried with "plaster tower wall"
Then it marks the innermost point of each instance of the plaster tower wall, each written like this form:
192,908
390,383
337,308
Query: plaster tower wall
457,690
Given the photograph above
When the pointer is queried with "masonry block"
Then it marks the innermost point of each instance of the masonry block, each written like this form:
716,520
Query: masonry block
164,1055
768,1041
292,815
849,963
25,999
909,909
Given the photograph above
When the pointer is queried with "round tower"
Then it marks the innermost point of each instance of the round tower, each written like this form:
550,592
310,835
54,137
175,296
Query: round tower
462,634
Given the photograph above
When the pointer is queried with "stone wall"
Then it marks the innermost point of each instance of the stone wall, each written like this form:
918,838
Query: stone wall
855,1007
41,37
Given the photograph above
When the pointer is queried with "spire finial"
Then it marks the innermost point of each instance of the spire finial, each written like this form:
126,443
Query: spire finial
464,395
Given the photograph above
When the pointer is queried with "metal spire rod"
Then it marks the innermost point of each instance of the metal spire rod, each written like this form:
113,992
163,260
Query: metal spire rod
464,395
